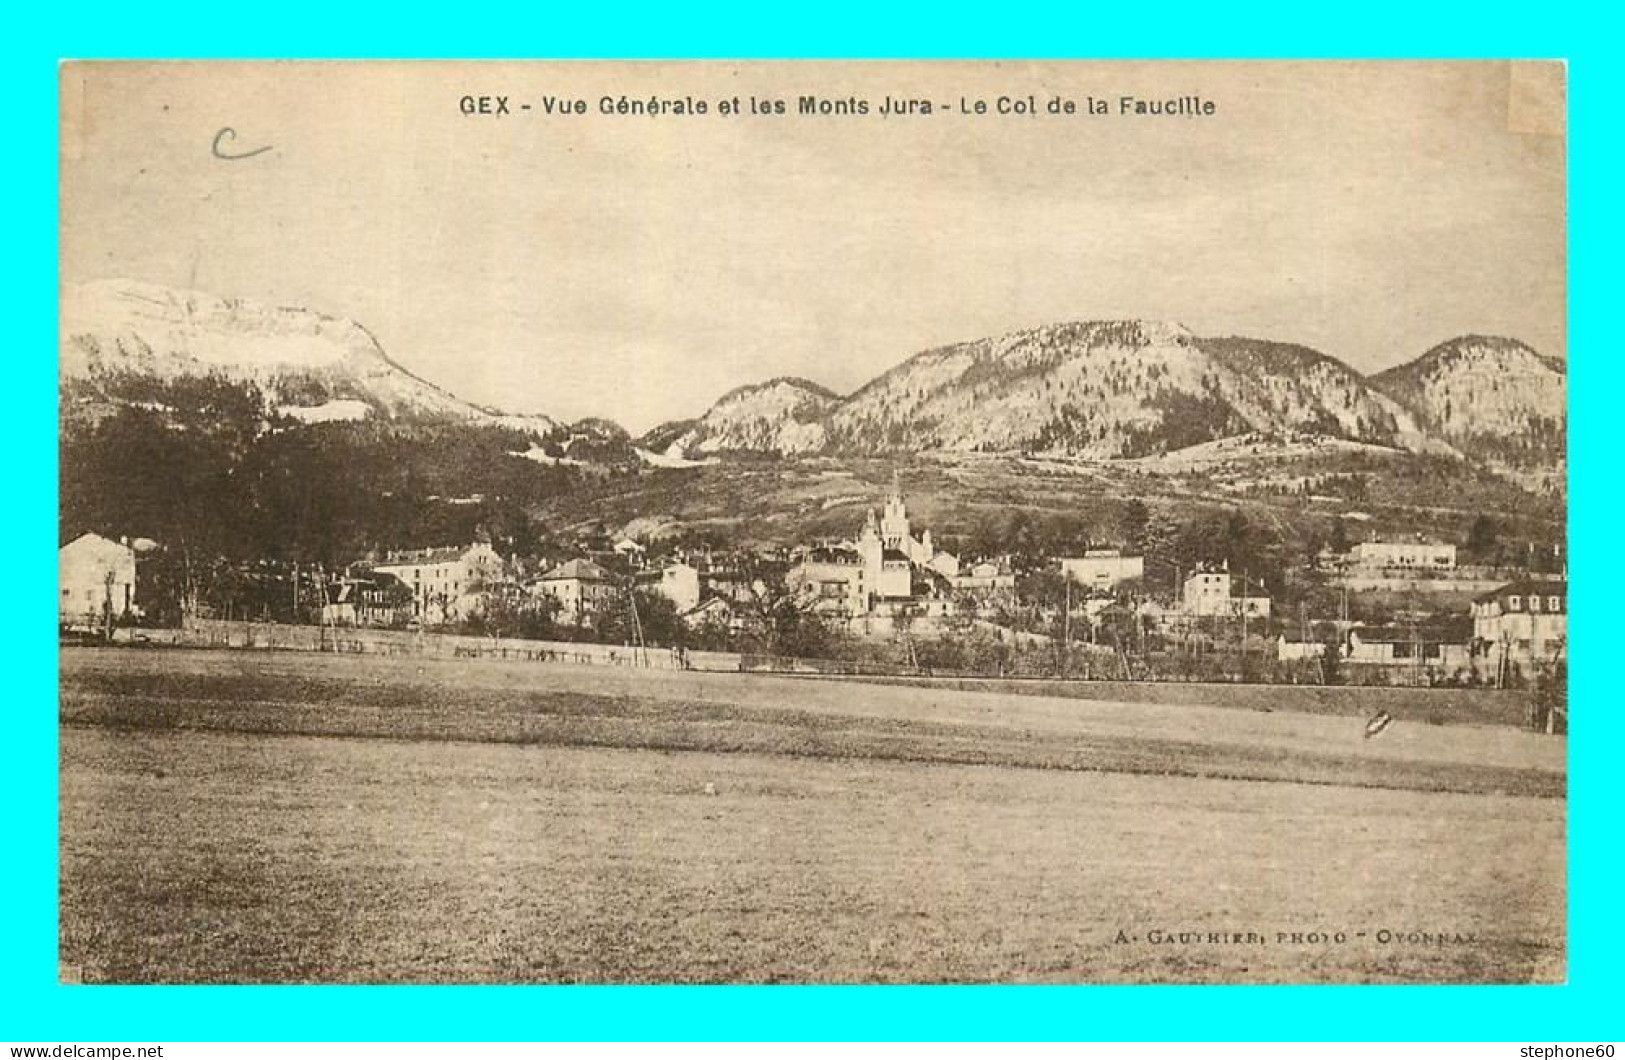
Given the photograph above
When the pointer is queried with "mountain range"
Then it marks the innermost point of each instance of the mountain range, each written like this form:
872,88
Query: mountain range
1101,390
1136,389
1491,397
311,367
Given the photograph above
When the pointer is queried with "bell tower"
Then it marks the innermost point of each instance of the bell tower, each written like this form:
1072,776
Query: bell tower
894,523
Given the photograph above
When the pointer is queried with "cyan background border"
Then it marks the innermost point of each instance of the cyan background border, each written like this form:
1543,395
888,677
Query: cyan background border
32,1007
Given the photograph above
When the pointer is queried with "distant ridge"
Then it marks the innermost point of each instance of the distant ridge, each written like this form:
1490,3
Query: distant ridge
1113,389
1494,398
312,365
1097,390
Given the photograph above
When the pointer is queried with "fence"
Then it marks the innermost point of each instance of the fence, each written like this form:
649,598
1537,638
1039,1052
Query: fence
1216,669
1103,666
793,664
272,636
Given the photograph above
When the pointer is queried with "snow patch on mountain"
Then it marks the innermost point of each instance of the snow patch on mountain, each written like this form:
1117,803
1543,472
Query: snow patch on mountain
328,412
671,458
541,456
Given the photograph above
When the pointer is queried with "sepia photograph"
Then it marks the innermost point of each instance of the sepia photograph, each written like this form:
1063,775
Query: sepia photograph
813,522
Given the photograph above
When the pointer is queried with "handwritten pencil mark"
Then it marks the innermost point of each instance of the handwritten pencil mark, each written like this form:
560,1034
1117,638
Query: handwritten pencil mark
228,134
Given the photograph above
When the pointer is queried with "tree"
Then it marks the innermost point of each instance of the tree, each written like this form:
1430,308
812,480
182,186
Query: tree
1331,659
903,623
1550,707
1134,525
715,633
1483,536
507,610
1043,594
781,621
1339,542
658,617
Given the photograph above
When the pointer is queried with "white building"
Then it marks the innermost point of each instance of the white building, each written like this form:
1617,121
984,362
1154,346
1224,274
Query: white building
1417,555
1103,568
95,579
372,598
985,578
884,570
889,568
447,583
719,612
1294,648
838,577
1210,591
1523,621
1433,646
582,588
677,582
629,550
894,532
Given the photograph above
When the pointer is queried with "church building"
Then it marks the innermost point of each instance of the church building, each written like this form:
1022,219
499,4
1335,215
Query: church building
885,570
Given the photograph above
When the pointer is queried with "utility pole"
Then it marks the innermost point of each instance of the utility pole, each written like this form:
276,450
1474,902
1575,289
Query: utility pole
1066,620
321,619
1179,611
1551,713
1244,623
1416,654
1303,633
189,592
639,651
1534,668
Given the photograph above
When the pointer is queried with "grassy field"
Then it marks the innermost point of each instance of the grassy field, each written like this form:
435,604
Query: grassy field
237,817
1430,706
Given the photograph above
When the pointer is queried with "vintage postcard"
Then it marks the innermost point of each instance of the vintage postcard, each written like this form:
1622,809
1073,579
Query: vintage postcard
813,522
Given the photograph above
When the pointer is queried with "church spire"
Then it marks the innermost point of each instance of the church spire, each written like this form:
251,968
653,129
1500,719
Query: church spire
894,521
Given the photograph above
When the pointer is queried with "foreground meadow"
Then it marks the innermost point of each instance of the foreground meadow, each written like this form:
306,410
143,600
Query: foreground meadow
238,818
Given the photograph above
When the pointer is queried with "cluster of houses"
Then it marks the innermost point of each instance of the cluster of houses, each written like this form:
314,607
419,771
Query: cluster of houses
888,579
1513,627
422,587
447,585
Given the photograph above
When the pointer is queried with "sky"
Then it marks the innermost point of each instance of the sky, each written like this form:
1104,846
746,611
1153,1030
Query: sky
638,267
